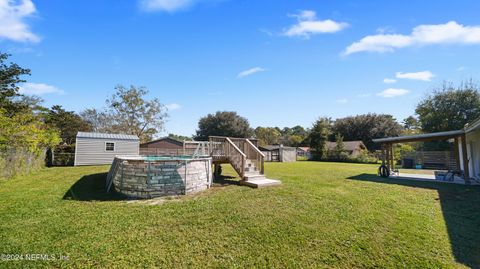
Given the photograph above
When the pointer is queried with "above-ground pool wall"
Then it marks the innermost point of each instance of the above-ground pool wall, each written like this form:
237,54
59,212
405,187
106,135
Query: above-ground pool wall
149,179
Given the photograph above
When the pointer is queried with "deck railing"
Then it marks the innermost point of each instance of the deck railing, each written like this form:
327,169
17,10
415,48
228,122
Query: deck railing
224,149
236,151
255,155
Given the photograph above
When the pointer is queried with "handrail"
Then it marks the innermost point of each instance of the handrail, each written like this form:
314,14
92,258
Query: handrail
241,169
235,147
256,156
237,151
255,148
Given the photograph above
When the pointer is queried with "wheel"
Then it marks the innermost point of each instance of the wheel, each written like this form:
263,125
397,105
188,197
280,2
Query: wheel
383,171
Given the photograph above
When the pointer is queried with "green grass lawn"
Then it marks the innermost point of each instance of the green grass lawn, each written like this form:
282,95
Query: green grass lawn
324,215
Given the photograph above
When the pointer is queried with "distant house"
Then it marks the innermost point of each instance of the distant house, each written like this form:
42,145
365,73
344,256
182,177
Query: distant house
353,148
101,148
304,152
162,146
279,153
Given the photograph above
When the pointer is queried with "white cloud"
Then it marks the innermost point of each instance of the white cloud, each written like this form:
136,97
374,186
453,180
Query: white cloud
38,89
250,71
166,5
422,35
173,106
12,20
391,92
308,25
389,80
342,101
423,75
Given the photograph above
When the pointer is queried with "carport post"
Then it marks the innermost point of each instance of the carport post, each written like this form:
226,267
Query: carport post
392,162
383,154
465,158
457,154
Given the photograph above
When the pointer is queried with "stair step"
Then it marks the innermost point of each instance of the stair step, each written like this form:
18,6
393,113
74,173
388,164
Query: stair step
251,176
260,182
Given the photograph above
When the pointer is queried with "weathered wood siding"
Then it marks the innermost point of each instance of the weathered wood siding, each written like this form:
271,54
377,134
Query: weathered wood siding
91,151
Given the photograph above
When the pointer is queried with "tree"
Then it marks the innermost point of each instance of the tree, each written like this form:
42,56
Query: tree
339,152
133,114
367,127
67,122
180,137
24,131
293,137
319,138
223,123
449,107
99,121
267,135
295,140
411,123
10,76
129,112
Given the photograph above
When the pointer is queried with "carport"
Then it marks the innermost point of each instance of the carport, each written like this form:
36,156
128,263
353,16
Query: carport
460,148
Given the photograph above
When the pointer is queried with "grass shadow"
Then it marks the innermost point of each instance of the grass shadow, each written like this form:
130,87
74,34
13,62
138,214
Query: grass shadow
461,210
225,181
92,188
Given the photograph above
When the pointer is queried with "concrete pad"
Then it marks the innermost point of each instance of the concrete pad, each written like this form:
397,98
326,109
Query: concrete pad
431,178
260,182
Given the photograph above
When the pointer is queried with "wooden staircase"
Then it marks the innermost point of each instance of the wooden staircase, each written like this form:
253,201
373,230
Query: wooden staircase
245,158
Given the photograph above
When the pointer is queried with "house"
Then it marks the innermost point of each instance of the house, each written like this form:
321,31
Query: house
472,137
279,153
353,148
101,148
162,146
304,152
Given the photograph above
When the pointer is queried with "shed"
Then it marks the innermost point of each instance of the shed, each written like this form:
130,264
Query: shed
101,148
279,153
162,146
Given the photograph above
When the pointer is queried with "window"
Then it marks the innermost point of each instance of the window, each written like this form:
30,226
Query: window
109,146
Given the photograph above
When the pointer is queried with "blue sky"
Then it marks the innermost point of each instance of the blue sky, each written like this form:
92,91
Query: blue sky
278,63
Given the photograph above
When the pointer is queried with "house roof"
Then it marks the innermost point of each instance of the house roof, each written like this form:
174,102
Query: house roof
472,126
107,136
273,147
169,139
349,145
306,149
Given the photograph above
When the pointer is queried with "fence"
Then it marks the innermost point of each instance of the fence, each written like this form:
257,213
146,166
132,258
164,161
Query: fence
16,162
62,155
433,159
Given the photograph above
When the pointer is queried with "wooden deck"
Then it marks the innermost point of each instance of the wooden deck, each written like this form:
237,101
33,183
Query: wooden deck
242,153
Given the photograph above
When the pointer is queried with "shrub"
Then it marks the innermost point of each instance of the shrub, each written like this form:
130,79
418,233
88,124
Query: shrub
23,141
364,157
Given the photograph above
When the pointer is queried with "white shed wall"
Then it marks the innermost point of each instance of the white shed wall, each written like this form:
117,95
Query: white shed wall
91,151
473,150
